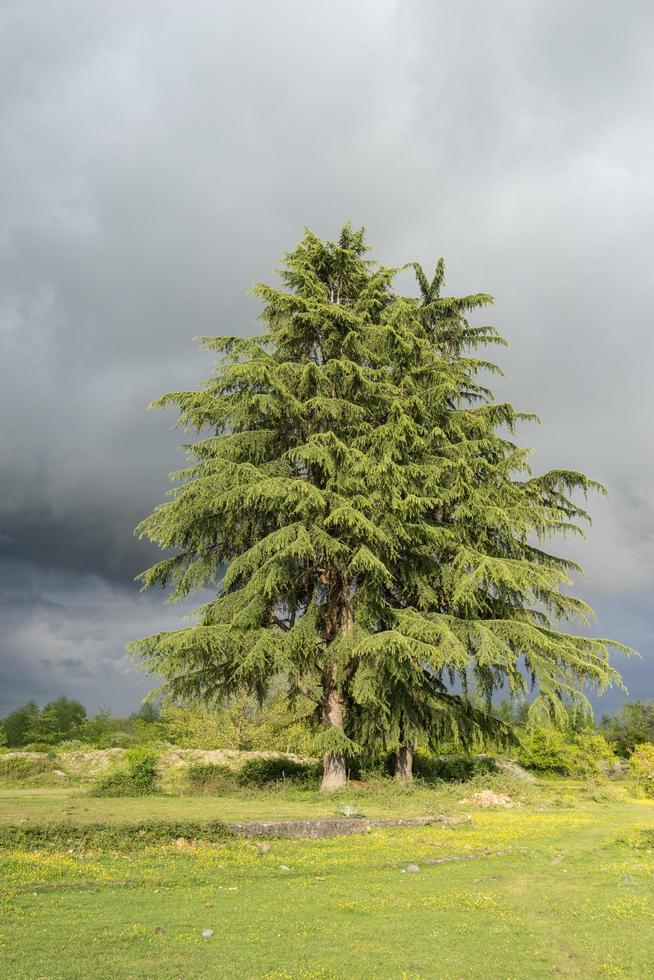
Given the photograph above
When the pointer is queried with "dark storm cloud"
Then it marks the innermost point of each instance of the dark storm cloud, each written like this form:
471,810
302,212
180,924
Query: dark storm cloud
158,158
65,633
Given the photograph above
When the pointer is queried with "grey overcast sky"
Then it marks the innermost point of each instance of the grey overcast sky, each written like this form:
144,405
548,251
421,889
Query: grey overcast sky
158,157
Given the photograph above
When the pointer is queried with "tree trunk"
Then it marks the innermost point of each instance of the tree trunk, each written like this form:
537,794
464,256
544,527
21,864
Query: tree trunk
404,762
334,773
339,622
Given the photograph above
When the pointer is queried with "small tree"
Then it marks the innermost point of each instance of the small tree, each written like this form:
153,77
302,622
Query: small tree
374,522
20,723
59,720
641,764
632,725
100,728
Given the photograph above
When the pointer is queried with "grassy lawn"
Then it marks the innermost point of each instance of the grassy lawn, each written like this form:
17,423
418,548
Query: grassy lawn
38,805
568,899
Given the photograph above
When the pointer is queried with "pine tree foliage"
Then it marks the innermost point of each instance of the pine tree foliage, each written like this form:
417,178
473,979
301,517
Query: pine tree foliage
372,530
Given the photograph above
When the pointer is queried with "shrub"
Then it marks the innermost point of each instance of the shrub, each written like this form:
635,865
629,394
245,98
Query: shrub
458,768
74,745
591,755
350,811
631,726
641,764
37,770
241,723
499,782
211,777
545,750
140,777
57,836
277,769
548,750
120,740
447,768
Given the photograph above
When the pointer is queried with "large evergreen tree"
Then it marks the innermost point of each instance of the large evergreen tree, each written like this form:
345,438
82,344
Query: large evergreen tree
379,531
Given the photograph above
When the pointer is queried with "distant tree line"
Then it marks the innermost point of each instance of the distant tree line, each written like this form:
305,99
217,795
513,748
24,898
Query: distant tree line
55,722
242,724
239,723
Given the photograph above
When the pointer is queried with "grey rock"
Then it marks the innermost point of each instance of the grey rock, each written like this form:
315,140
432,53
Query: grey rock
207,933
412,868
332,826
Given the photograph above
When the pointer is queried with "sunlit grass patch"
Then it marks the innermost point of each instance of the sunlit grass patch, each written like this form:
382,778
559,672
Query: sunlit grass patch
546,891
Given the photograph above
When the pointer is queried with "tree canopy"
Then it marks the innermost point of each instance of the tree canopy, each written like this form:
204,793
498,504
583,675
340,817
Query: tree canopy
630,726
56,721
372,530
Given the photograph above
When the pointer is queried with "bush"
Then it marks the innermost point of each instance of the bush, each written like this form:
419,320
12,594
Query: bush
550,751
427,768
74,745
211,777
120,740
499,782
263,772
242,724
631,726
38,770
139,778
641,764
591,755
457,768
58,836
545,750
446,768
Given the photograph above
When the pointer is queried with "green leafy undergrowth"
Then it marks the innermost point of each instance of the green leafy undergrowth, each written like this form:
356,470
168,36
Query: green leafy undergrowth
65,835
211,777
452,769
641,765
216,778
140,776
38,770
277,769
548,750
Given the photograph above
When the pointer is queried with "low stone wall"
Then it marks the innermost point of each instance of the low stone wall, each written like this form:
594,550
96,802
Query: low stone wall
330,826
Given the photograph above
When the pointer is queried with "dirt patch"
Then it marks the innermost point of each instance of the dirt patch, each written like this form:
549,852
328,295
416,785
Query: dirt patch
488,798
90,763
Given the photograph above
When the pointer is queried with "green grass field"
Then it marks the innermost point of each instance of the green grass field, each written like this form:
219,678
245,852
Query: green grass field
573,896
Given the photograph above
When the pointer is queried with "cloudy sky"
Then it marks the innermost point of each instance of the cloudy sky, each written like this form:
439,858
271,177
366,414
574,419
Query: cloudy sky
159,157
